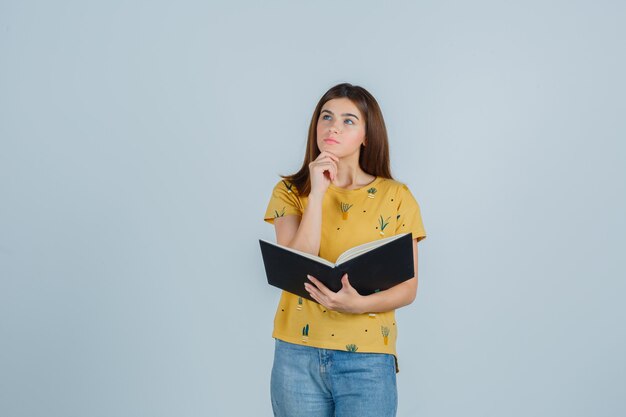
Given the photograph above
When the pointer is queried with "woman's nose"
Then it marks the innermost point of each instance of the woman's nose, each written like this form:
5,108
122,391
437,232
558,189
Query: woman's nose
333,128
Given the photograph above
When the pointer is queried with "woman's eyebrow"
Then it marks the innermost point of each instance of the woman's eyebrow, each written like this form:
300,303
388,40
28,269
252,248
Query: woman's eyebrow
344,114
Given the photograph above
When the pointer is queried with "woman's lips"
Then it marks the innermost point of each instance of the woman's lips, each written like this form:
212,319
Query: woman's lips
330,141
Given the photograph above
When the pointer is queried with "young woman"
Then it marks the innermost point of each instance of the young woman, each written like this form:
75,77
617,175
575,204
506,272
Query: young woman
337,356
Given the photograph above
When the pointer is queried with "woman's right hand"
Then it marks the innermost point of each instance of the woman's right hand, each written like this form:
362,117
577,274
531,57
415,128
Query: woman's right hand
322,171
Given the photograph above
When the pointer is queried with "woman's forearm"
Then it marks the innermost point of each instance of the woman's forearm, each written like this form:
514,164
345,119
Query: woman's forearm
395,297
308,236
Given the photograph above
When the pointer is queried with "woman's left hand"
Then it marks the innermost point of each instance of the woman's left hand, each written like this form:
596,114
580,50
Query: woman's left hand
346,300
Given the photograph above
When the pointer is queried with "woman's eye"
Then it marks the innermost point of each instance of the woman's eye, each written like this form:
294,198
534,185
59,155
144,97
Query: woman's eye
324,117
349,120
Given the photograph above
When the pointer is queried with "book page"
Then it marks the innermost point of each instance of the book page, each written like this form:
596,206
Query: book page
365,247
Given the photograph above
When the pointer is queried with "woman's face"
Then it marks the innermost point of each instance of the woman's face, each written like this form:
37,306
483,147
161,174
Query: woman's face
340,128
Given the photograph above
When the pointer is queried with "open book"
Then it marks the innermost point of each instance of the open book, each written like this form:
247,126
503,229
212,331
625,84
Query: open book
371,267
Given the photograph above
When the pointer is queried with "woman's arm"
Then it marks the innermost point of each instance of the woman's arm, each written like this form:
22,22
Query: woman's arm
348,300
302,233
305,234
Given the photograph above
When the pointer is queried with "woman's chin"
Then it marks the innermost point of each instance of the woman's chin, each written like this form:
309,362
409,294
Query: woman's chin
329,148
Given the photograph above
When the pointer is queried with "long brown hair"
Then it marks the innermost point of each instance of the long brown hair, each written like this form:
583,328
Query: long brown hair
373,158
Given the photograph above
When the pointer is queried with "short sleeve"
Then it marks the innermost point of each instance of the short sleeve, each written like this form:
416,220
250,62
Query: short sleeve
283,201
409,217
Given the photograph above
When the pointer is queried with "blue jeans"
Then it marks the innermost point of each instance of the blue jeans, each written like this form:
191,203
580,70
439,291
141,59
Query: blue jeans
307,381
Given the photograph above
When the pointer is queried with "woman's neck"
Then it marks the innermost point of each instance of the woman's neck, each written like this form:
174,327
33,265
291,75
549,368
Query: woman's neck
350,175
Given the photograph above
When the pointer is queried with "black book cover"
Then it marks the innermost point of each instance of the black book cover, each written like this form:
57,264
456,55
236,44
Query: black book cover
375,270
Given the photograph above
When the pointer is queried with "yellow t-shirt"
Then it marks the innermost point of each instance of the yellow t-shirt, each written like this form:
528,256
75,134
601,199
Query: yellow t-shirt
378,210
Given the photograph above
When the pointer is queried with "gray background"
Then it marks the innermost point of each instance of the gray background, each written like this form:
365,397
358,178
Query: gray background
140,142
